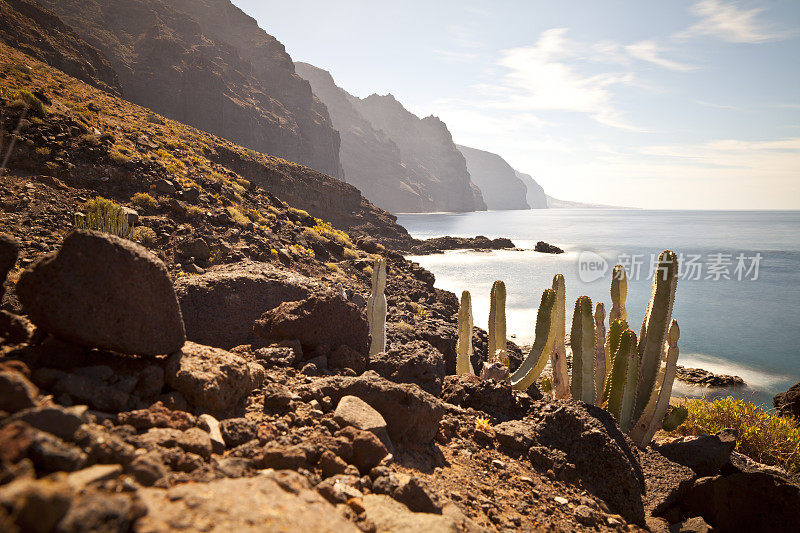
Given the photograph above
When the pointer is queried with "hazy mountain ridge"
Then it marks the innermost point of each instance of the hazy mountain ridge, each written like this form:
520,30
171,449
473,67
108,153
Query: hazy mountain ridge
427,148
535,195
371,160
174,57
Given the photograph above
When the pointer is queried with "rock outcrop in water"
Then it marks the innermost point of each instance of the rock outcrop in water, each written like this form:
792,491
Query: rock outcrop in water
208,64
499,183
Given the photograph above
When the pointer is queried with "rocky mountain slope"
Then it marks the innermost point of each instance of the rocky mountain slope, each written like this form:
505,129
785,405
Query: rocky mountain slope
175,58
371,160
534,195
427,149
499,183
41,34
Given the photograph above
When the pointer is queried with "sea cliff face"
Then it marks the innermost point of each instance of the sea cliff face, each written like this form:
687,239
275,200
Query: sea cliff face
371,160
426,148
498,182
209,65
535,195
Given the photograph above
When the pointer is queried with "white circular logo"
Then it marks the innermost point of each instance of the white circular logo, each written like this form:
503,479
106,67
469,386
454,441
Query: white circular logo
591,267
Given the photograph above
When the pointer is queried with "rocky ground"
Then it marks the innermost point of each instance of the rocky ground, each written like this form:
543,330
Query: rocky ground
216,375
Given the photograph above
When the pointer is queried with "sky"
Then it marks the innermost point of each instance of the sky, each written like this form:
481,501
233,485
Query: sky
655,104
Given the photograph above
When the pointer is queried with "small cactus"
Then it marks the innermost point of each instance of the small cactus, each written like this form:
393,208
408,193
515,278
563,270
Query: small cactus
497,324
464,346
531,368
558,357
583,352
599,352
376,308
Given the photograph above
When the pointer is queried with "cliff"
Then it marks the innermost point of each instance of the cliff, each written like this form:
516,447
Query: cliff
174,57
426,149
41,34
535,196
498,182
371,161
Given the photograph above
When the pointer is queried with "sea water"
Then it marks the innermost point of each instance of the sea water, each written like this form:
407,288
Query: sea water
738,291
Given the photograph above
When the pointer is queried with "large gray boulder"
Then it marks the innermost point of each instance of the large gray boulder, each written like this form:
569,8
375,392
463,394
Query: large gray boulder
220,306
411,414
102,291
212,379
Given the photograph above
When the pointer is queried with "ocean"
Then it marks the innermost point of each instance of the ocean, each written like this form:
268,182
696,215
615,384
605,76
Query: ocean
738,291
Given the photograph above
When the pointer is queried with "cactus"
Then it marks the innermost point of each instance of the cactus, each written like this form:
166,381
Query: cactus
376,308
599,352
558,357
583,352
612,345
464,346
619,293
497,324
531,368
616,383
654,327
656,408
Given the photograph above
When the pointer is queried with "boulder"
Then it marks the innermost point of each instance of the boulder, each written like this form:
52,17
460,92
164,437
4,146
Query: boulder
664,480
705,454
756,501
585,442
36,505
417,362
353,411
15,329
788,402
212,379
322,319
244,505
493,397
9,250
102,291
368,450
210,424
62,422
196,248
411,414
16,392
391,516
220,306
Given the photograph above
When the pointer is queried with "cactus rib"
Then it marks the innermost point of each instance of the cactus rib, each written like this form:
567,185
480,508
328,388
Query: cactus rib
376,308
583,338
617,377
558,357
599,352
497,324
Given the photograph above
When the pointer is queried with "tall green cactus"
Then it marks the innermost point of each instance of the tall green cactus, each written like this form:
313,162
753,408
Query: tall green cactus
582,335
653,415
497,324
464,346
619,293
531,368
617,378
558,357
653,334
376,308
599,352
629,392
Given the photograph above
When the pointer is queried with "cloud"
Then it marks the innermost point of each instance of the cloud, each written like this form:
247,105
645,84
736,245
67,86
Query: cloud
538,78
777,157
452,56
730,23
651,52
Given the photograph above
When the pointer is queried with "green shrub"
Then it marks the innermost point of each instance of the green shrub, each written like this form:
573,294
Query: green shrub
763,435
23,98
237,216
143,235
117,157
144,201
103,215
